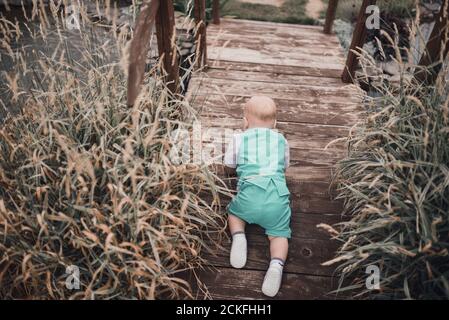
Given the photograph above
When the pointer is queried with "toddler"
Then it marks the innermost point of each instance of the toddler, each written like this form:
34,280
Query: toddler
260,156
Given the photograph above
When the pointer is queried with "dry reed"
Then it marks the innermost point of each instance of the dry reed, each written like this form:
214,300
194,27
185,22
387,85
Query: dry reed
395,185
87,182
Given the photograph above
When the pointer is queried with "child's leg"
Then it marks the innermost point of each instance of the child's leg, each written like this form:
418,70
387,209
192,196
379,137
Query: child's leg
273,277
236,224
238,248
278,248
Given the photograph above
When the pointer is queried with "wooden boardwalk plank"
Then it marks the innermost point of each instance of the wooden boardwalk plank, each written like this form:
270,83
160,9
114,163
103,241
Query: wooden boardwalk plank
228,283
280,45
300,135
327,113
311,93
310,49
271,77
263,30
245,22
255,56
274,68
305,255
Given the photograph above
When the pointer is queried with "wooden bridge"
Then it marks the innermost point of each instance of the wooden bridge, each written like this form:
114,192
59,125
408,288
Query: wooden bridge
300,68
303,69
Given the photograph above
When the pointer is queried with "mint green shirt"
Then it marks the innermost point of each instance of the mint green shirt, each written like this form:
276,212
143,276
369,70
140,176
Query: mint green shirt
261,155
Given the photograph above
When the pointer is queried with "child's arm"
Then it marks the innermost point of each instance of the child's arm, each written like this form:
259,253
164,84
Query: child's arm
230,156
287,155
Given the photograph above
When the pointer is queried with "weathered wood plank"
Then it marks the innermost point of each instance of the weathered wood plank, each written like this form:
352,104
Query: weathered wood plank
311,157
258,56
245,22
258,67
305,255
328,113
310,93
299,157
313,43
278,46
304,204
270,77
311,46
280,30
228,283
299,135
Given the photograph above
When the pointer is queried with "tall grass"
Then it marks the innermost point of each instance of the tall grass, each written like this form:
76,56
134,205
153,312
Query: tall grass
87,182
395,186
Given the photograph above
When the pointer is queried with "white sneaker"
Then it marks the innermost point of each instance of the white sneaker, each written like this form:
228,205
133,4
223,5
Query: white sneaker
272,281
238,250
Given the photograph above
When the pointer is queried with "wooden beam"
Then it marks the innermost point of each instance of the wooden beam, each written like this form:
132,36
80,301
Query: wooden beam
436,49
200,20
330,16
140,45
358,39
216,11
165,30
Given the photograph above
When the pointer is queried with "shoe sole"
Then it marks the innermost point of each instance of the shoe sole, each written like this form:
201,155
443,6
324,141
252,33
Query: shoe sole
271,285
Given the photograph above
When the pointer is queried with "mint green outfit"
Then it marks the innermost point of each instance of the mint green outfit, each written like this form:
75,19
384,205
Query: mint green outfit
263,197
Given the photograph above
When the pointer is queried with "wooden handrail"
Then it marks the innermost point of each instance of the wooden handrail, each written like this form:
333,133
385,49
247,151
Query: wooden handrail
330,16
165,31
139,48
216,11
200,37
161,13
436,49
358,39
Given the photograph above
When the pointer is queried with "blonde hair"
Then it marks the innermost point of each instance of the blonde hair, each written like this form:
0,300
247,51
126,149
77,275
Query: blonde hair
261,107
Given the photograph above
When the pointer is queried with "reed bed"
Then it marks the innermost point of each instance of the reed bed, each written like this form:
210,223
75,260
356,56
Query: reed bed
88,183
395,187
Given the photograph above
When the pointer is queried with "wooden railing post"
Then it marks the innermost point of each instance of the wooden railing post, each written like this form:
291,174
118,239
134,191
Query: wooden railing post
165,31
216,11
358,39
140,45
200,20
436,49
330,16
160,13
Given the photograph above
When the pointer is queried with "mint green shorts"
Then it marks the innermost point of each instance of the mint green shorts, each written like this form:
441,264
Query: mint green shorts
268,208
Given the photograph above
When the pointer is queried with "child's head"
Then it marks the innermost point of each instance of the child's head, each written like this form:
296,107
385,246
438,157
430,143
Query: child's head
259,111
